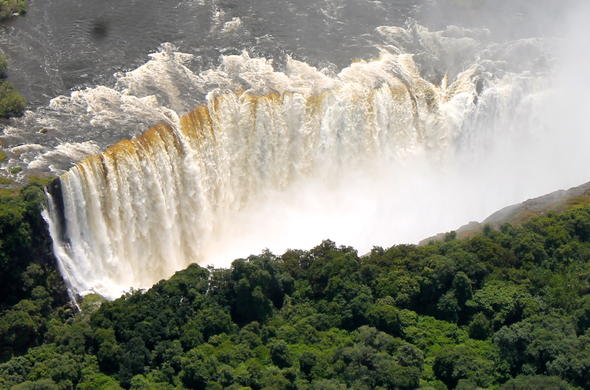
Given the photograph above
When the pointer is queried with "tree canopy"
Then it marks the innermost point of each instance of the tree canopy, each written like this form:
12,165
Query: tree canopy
508,309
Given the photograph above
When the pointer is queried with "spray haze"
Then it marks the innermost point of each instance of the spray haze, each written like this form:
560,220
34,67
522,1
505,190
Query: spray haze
445,126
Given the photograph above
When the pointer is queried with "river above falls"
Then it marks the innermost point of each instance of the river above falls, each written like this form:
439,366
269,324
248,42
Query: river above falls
71,44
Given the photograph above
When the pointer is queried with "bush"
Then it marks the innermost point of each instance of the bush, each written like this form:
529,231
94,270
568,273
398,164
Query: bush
10,7
12,103
3,67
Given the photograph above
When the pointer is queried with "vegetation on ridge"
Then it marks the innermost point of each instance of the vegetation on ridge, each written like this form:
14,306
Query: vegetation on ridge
508,309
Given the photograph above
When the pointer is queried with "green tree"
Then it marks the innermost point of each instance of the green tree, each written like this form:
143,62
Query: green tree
385,318
480,327
279,353
474,362
307,361
198,368
537,382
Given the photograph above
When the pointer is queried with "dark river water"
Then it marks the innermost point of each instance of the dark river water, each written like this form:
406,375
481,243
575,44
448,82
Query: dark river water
69,44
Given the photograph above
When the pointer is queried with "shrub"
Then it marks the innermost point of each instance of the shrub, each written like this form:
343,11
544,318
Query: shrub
3,67
12,103
10,7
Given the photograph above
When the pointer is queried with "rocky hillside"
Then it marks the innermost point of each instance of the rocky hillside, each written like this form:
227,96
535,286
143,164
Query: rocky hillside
516,214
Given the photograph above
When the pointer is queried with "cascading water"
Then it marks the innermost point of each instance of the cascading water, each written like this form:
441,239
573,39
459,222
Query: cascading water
385,151
194,189
160,201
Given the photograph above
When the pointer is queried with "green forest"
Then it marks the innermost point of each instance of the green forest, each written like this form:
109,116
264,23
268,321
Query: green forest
507,309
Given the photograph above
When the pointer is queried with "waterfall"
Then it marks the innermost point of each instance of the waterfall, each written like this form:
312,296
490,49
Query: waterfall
153,204
385,151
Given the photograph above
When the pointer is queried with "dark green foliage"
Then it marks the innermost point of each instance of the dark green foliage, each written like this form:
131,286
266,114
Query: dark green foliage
12,103
11,7
509,309
3,67
258,287
134,357
29,284
537,382
307,361
279,354
385,318
474,362
480,327
462,288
